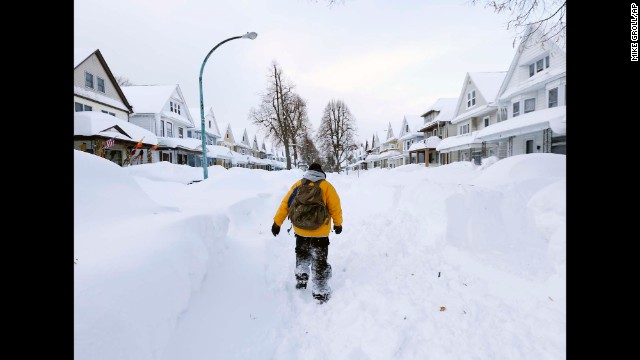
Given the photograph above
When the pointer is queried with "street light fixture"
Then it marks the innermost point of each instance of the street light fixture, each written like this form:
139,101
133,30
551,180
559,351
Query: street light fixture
249,35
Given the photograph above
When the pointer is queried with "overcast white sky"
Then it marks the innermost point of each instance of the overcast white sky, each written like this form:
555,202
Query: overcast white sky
384,58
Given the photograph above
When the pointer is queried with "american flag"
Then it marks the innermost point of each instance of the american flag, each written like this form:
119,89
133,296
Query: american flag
109,143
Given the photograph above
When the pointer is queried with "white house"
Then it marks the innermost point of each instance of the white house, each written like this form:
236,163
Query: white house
531,100
373,153
112,138
476,108
162,110
437,126
94,86
410,133
211,128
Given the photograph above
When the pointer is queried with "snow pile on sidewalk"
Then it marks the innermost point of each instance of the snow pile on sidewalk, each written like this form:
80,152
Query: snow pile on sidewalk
137,263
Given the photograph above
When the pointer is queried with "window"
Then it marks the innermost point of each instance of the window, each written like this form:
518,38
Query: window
435,132
464,129
171,106
529,105
407,128
88,80
180,132
529,147
471,98
82,107
538,66
110,113
101,85
516,109
169,129
209,124
161,127
179,109
486,121
553,97
503,114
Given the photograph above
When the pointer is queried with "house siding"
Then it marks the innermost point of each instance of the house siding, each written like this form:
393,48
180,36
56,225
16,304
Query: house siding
92,65
146,121
96,106
519,143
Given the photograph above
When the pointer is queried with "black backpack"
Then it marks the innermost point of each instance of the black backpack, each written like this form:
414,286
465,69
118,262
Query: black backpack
307,209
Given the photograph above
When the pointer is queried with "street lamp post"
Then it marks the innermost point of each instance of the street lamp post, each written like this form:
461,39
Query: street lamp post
249,35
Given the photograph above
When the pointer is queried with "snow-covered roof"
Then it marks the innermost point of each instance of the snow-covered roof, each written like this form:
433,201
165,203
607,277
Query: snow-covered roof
184,143
148,99
388,154
217,151
476,111
81,54
391,139
534,82
80,91
527,123
446,108
458,142
93,123
238,158
488,83
417,146
415,123
432,142
372,157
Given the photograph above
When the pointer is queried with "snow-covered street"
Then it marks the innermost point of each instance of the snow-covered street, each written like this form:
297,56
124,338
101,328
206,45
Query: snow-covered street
453,262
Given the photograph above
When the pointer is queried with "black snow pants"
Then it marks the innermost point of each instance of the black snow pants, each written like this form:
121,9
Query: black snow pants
313,251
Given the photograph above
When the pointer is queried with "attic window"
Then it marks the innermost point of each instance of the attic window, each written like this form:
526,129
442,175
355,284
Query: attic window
171,106
407,128
471,98
209,124
101,84
88,80
538,65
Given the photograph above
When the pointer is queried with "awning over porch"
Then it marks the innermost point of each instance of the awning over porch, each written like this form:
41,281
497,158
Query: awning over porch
554,118
189,144
93,123
218,152
459,142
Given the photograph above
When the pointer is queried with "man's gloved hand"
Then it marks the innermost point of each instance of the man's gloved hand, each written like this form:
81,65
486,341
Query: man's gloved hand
338,229
275,229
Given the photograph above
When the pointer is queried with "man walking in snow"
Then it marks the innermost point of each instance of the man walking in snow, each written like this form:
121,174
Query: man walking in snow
311,211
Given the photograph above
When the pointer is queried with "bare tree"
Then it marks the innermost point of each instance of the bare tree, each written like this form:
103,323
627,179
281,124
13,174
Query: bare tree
546,18
272,116
308,151
336,133
295,111
123,81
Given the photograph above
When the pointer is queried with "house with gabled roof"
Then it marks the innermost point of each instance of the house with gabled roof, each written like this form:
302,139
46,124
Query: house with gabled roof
436,126
112,138
389,155
371,161
211,128
163,110
476,108
94,86
409,134
531,102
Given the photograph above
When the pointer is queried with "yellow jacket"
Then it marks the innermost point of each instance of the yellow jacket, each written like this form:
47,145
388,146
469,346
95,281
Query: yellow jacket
330,197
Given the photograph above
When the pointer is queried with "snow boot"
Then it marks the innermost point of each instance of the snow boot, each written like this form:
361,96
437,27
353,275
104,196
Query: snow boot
322,298
302,281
